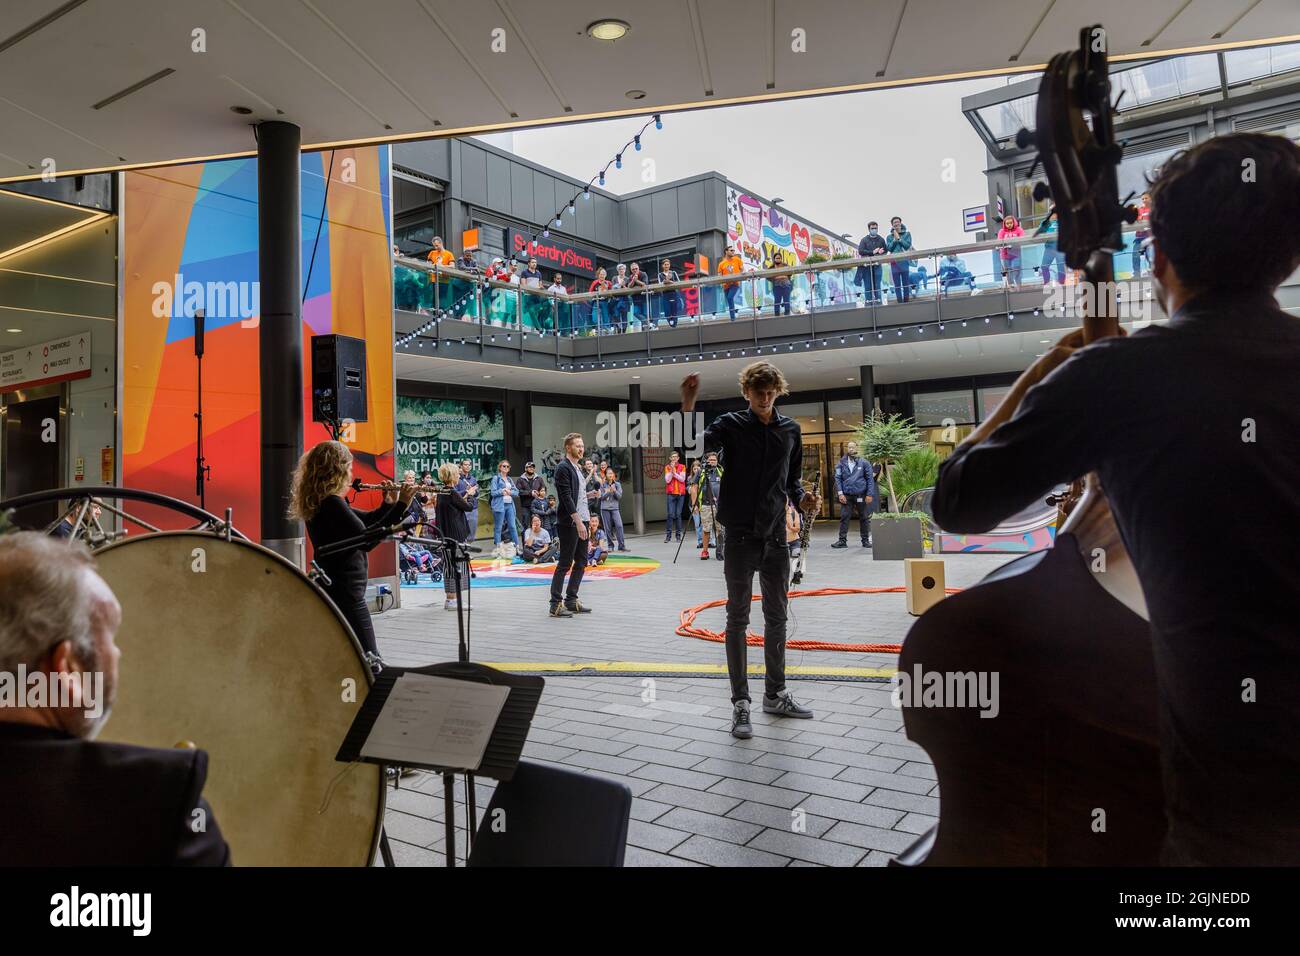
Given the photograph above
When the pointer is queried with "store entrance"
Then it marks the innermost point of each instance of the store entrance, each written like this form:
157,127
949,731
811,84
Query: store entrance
31,459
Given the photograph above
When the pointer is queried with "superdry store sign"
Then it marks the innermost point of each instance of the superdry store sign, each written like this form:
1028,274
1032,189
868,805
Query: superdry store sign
553,254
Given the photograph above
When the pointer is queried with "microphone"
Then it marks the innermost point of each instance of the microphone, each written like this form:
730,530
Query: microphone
356,484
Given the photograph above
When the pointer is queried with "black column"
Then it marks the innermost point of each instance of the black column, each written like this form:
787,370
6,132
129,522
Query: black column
867,381
638,466
279,335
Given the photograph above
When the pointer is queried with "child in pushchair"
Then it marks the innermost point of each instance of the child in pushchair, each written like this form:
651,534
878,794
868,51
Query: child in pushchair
413,559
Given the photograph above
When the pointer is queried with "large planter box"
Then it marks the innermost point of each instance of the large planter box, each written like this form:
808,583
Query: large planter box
893,539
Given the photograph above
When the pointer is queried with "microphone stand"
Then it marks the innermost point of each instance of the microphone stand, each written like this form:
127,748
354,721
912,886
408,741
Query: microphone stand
201,469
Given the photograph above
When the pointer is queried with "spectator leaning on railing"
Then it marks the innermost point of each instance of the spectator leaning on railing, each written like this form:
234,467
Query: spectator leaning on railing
673,297
440,256
781,286
1010,255
868,276
731,265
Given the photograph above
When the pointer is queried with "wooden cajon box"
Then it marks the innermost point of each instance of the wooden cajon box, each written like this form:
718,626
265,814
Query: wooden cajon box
925,583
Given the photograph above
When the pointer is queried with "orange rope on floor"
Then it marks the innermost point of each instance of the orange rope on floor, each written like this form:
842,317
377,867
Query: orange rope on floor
688,628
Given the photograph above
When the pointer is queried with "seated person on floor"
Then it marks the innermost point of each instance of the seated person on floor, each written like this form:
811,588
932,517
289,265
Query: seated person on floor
538,548
598,544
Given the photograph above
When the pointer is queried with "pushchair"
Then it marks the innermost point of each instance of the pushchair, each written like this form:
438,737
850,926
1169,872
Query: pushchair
409,565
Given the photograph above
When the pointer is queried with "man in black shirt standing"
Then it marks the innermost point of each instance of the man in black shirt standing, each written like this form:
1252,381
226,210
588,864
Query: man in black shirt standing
1214,392
762,452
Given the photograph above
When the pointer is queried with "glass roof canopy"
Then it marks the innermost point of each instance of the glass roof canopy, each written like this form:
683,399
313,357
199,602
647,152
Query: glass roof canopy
998,114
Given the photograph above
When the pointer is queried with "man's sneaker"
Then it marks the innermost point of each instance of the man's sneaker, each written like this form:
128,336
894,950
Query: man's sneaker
783,705
668,539
740,726
704,554
866,544
840,544
576,607
559,610
976,290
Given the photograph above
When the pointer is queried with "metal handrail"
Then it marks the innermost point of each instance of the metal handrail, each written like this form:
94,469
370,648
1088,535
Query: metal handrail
832,265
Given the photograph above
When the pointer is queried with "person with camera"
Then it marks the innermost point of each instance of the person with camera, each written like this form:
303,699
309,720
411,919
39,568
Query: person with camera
710,484
899,240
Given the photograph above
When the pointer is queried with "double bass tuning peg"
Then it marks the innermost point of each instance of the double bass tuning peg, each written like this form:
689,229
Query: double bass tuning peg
1042,191
1024,138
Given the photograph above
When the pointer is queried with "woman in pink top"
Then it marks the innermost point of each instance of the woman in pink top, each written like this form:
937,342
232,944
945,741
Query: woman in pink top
1010,254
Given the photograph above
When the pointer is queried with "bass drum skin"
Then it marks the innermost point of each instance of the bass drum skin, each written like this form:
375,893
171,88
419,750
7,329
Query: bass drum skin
227,645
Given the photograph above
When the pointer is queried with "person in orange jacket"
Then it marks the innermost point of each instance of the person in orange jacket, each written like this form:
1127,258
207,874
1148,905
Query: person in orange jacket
440,256
731,265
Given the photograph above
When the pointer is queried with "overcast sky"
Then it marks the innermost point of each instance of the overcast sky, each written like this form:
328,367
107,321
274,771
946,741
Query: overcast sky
836,160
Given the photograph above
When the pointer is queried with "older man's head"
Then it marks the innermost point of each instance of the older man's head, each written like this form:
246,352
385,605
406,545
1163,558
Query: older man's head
58,619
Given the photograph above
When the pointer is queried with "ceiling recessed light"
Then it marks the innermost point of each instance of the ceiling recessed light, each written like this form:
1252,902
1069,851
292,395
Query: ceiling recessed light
608,30
487,376
241,110
13,330
635,94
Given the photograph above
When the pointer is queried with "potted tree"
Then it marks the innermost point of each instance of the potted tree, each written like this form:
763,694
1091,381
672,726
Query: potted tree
886,440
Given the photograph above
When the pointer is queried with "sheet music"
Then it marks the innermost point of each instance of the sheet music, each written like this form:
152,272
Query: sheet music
436,721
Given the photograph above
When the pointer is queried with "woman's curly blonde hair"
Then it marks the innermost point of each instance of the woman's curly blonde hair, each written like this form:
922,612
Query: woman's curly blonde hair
322,471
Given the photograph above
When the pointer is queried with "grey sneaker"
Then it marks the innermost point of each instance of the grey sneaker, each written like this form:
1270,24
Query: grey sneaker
740,726
559,610
783,705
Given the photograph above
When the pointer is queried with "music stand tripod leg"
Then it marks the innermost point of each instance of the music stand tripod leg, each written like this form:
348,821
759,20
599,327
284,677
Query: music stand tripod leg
449,809
385,850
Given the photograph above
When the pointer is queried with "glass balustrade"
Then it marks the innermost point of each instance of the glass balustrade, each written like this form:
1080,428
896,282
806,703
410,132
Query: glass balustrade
961,271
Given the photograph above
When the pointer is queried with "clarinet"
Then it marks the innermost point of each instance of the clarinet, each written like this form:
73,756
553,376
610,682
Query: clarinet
805,536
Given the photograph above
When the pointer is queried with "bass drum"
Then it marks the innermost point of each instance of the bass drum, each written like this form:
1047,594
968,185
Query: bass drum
227,645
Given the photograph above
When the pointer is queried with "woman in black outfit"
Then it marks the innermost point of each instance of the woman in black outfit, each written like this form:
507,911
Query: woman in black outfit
322,477
450,512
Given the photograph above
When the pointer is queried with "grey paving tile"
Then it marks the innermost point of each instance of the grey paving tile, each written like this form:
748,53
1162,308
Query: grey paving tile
635,856
759,793
813,849
807,783
871,838
602,762
668,758
852,811
598,745
876,858
646,739
809,765
677,776
916,823
923,770
715,803
903,801
648,810
723,751
740,771
887,781
707,824
704,849
852,758
779,818
542,751
652,836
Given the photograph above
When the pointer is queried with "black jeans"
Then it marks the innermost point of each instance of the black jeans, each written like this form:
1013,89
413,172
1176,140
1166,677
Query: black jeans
573,554
863,509
745,554
357,613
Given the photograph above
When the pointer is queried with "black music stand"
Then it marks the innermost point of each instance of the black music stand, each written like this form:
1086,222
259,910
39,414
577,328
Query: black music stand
503,749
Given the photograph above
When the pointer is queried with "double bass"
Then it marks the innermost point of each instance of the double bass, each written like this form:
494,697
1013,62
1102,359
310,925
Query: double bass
1067,772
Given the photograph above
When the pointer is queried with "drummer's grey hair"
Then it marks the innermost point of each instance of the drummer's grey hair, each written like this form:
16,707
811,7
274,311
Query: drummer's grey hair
44,599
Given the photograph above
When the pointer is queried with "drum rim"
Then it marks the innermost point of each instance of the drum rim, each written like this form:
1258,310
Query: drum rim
347,629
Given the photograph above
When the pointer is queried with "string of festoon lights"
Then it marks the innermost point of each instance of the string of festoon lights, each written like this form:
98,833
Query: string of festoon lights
571,207
910,330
